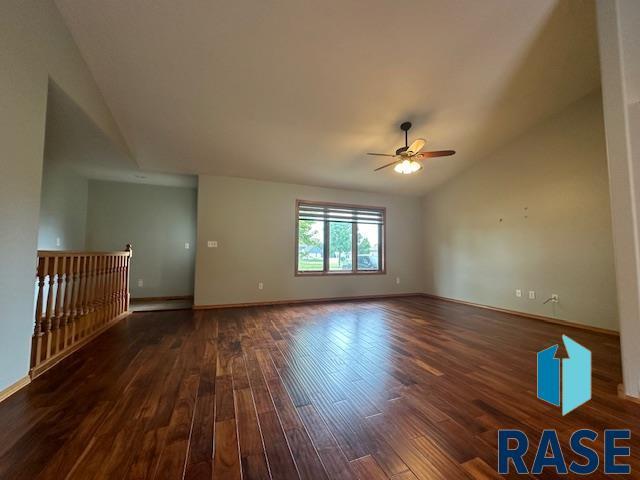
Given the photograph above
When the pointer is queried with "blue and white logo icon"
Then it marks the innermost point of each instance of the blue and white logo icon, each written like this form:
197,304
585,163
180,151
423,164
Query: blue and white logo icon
576,376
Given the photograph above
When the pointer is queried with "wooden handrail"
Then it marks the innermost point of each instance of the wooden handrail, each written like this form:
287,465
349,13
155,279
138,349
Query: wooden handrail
79,295
65,253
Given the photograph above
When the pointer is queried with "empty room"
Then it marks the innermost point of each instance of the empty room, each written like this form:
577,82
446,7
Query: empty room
319,240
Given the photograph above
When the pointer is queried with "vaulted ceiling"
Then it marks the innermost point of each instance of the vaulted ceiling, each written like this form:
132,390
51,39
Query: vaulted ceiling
298,91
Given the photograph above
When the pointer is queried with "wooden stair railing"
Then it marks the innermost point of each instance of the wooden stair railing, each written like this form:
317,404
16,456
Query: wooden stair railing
79,295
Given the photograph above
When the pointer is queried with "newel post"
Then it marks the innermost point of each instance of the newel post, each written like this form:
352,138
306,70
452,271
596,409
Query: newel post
129,248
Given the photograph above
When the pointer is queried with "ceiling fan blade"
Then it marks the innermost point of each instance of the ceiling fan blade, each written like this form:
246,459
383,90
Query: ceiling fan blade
416,146
437,153
387,165
382,154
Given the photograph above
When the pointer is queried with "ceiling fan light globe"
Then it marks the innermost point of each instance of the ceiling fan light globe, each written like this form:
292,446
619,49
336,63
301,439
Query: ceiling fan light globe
407,167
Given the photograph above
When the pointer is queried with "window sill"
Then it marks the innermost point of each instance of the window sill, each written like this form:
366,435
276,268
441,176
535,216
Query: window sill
338,274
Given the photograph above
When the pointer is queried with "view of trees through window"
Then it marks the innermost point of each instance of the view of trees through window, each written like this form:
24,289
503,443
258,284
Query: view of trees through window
340,246
310,246
339,237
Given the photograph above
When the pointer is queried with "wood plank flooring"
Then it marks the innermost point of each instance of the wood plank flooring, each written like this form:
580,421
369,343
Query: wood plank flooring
400,388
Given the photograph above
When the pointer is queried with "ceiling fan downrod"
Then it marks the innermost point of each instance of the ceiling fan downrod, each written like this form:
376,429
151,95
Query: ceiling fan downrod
405,127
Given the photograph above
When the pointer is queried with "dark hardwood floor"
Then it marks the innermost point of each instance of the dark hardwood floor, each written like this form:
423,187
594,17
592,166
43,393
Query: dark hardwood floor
404,388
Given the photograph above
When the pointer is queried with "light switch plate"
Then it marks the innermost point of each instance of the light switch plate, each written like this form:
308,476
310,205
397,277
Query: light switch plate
212,244
186,246
532,295
140,282
518,292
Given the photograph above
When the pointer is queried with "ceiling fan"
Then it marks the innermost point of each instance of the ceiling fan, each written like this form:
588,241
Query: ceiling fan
408,155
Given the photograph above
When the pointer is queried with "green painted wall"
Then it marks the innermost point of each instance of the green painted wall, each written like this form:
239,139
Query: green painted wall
157,221
254,224
535,215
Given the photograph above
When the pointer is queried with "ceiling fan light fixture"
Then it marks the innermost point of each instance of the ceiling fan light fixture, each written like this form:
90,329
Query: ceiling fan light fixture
407,167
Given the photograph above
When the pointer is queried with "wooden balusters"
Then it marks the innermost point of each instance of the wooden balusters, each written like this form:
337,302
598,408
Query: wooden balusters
36,346
67,308
58,317
79,295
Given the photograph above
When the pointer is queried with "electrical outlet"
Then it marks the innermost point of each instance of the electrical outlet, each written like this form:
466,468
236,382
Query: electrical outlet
397,280
518,292
140,282
58,242
260,285
212,244
532,295
187,246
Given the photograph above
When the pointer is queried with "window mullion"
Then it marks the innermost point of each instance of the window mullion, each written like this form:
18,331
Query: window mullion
381,247
354,247
325,256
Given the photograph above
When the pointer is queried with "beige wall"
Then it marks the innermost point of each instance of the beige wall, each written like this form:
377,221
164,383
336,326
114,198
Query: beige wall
533,216
157,221
34,45
254,224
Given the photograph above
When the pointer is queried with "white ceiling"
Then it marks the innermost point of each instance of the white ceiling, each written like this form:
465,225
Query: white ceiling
298,91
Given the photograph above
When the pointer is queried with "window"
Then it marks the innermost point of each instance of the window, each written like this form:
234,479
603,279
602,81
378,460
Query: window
339,239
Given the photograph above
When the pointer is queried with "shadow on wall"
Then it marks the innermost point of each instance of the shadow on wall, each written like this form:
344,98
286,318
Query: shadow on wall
481,241
568,43
74,149
74,139
560,66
